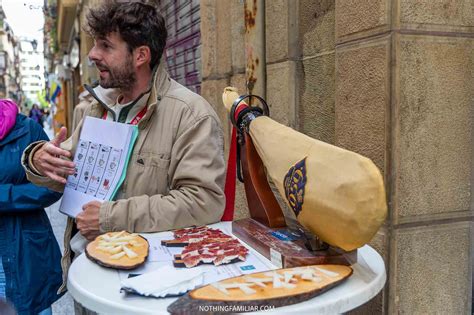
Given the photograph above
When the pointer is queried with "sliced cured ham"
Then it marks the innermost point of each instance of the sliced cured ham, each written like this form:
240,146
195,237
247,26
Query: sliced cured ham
184,237
204,245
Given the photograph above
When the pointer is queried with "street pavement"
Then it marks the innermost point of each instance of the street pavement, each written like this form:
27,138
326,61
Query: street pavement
64,306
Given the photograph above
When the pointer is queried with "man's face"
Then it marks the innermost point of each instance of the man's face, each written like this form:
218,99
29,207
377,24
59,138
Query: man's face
114,62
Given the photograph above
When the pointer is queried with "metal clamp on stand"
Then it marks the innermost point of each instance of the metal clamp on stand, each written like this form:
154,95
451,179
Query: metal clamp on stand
242,123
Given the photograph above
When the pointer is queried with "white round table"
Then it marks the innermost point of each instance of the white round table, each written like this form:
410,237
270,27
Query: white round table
98,288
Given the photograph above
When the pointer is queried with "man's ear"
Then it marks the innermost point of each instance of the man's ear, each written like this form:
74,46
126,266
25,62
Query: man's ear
142,55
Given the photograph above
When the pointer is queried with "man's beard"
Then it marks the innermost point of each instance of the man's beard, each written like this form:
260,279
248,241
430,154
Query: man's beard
121,76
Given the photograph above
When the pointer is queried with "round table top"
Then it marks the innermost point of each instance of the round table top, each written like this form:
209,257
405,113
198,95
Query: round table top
98,288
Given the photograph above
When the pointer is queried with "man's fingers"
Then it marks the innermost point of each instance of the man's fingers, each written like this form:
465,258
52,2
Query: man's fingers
54,150
92,203
88,234
84,233
60,171
91,236
60,137
55,177
61,163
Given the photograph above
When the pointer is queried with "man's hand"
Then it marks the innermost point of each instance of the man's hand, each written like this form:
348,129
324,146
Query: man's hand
88,220
47,160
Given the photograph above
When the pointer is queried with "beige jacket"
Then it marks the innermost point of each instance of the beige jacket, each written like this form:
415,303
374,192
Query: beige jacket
85,100
175,177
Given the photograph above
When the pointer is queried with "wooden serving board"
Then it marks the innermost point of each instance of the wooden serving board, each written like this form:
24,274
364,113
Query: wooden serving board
286,253
213,298
103,258
174,243
179,263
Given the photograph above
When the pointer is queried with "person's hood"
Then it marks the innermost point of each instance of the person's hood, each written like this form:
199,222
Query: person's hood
8,113
20,127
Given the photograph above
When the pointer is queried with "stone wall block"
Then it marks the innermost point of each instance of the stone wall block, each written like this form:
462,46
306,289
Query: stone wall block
212,90
281,92
433,126
208,38
241,206
316,97
439,15
224,39
316,26
238,36
361,18
362,98
276,30
431,270
380,242
238,81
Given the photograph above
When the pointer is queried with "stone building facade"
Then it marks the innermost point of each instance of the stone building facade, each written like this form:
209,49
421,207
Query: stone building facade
391,80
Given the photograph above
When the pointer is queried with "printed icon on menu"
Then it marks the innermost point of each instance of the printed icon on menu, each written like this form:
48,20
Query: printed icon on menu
83,144
112,165
90,159
75,172
106,183
248,267
80,156
101,162
86,176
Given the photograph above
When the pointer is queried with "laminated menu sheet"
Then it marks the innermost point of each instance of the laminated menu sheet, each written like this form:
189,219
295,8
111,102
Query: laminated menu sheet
101,161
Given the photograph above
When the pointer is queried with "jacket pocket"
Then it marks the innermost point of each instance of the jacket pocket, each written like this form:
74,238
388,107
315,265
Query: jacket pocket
39,268
149,175
159,162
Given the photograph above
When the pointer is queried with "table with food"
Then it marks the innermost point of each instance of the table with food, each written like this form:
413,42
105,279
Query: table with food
313,260
151,277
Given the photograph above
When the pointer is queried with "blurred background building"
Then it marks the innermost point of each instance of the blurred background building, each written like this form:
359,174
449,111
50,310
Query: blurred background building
32,70
21,55
10,79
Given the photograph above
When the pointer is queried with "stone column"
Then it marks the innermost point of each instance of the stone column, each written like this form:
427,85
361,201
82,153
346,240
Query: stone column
316,69
223,64
404,99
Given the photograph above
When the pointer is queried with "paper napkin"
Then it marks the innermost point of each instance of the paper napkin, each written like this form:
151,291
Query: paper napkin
165,281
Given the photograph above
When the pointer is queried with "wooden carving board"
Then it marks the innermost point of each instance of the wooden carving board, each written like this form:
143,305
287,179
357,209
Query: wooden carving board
263,295
284,253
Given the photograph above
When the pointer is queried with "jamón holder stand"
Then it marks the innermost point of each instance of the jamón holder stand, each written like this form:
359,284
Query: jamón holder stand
285,242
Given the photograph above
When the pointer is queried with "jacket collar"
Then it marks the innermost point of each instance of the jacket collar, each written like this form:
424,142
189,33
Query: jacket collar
161,83
19,130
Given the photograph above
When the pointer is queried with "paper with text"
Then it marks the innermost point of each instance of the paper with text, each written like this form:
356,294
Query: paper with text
101,160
